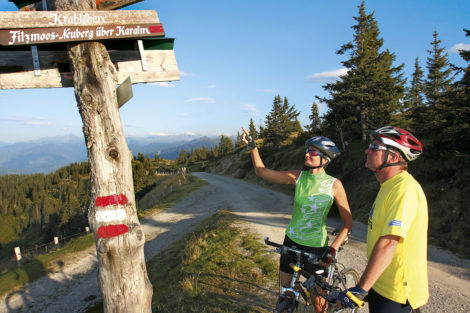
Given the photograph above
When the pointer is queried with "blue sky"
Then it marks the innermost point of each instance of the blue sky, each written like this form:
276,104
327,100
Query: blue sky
236,56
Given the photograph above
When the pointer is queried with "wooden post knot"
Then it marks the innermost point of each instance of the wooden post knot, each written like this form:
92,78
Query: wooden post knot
113,153
137,232
87,99
102,246
140,234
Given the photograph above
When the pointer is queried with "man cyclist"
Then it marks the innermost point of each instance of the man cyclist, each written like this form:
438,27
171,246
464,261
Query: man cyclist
395,277
315,192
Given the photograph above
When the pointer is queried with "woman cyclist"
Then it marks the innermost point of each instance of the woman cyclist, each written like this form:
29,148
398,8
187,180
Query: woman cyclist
315,192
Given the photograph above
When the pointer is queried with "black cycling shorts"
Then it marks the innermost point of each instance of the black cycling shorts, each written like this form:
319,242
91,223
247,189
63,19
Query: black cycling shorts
290,257
380,304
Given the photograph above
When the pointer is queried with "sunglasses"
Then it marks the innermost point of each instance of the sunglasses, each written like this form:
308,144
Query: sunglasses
376,147
313,152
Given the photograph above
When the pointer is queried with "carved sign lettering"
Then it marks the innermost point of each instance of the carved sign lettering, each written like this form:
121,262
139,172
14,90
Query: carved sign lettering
37,36
10,20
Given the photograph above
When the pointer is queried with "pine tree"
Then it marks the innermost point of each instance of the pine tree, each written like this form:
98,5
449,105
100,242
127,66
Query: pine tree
414,93
252,130
439,78
182,158
280,122
370,92
437,88
454,127
239,142
315,124
225,145
413,108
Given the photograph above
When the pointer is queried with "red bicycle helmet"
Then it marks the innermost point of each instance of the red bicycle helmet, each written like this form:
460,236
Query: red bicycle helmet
401,140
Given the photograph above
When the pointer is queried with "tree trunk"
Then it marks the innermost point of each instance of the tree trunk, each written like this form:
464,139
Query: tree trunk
112,215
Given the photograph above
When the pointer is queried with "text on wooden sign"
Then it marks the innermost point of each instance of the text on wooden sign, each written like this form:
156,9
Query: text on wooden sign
36,36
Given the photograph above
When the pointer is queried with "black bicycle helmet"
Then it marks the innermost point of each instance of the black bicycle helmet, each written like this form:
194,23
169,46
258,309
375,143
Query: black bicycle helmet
325,145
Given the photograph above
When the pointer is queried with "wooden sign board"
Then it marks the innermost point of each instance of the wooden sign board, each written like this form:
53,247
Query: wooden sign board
44,19
37,36
17,71
34,5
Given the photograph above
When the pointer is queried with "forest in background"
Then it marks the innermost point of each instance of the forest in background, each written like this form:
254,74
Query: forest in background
35,208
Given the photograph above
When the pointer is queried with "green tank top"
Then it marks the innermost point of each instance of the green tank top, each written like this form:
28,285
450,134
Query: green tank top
312,202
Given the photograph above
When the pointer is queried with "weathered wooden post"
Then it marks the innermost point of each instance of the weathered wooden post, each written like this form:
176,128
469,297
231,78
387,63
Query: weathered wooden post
112,214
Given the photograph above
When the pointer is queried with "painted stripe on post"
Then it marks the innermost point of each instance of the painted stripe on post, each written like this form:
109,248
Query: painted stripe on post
106,216
110,231
111,200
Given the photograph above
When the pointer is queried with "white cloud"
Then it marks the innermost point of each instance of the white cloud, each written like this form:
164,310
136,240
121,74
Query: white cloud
164,84
251,108
39,123
133,126
184,114
324,77
460,46
210,86
159,134
184,74
201,100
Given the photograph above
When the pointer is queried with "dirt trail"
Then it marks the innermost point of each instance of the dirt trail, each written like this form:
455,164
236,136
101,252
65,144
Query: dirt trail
74,287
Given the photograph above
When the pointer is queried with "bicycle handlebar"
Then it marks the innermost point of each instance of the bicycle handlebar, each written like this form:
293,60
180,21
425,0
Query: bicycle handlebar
311,257
358,302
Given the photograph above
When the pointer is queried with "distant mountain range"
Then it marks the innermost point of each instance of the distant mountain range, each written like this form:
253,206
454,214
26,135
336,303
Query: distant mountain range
49,154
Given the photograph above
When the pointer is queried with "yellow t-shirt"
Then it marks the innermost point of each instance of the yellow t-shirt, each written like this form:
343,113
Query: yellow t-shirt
401,209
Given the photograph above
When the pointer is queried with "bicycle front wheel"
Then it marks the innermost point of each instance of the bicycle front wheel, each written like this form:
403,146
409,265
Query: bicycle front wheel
285,305
345,279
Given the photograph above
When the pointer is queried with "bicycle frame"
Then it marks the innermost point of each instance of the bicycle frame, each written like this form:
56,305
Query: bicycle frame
298,288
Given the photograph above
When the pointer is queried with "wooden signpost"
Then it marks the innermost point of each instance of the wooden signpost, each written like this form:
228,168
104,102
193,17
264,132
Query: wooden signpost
94,66
145,56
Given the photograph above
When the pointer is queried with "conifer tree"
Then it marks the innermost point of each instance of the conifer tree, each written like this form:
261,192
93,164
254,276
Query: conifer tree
315,122
182,158
437,88
414,93
413,108
439,78
225,145
369,93
453,134
252,130
280,122
239,142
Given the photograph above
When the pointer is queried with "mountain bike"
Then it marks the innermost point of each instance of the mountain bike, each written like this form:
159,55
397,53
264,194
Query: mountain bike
305,287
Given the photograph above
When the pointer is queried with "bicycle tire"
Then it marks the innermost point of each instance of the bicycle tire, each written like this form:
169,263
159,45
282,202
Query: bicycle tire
285,306
348,278
345,279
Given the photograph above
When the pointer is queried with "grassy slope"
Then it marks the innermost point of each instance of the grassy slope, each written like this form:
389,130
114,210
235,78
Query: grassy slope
218,267
13,277
446,183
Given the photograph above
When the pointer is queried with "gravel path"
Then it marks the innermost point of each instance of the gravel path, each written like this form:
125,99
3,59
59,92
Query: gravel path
73,288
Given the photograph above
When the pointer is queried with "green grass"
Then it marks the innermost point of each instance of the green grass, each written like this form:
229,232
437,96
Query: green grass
219,267
163,196
14,277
